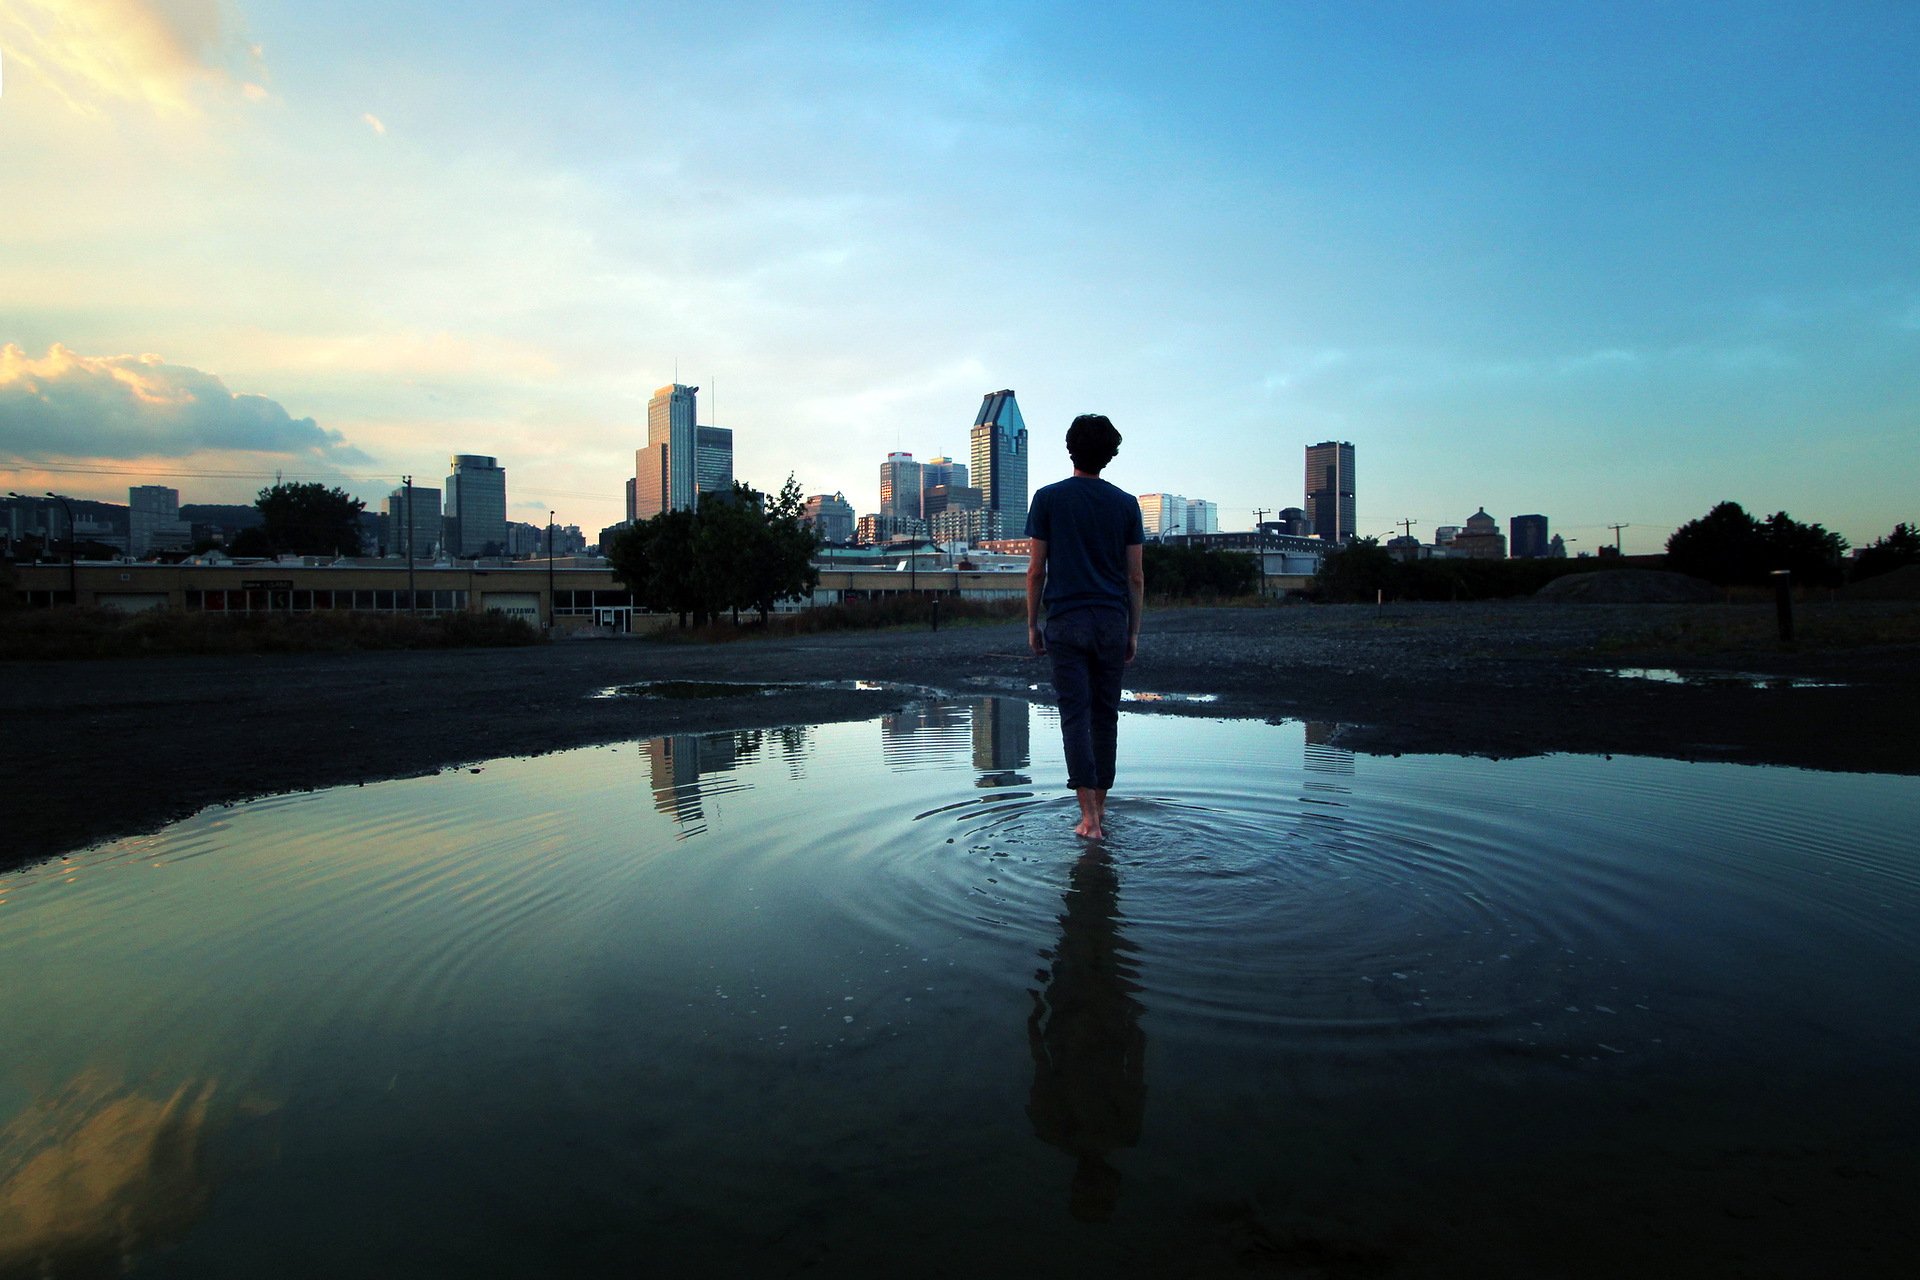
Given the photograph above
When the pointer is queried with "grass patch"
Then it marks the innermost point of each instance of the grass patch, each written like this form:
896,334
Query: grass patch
105,633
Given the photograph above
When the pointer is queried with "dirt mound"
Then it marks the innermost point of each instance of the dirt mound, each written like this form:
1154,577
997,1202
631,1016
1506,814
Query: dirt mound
1629,586
1899,584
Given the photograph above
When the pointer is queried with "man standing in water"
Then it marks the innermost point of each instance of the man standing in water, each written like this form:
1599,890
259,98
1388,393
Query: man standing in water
1086,569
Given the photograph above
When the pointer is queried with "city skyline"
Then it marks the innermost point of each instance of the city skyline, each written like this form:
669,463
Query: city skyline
1614,263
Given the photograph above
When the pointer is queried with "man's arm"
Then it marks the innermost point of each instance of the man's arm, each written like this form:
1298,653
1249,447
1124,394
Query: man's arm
1036,584
1136,595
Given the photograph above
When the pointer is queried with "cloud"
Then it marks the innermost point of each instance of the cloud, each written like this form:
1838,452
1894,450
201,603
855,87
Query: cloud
67,405
374,122
140,52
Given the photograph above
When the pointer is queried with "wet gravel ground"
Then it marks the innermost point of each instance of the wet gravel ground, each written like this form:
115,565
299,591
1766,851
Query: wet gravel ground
101,749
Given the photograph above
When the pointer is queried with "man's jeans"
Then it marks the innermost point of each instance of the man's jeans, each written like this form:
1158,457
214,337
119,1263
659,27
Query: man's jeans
1089,652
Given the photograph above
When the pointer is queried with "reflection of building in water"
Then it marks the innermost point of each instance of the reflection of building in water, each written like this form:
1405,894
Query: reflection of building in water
1000,733
677,764
932,735
1321,755
1089,1053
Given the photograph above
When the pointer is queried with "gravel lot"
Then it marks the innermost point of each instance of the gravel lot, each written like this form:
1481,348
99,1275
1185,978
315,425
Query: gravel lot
100,749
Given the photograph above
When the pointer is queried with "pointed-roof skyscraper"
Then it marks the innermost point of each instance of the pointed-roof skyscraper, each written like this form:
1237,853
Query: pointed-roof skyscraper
999,454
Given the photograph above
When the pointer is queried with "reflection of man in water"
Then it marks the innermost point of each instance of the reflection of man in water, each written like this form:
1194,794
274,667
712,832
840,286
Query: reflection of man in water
1086,569
1089,1054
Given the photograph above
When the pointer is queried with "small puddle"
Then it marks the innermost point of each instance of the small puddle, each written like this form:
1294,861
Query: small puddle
690,690
1147,695
1724,679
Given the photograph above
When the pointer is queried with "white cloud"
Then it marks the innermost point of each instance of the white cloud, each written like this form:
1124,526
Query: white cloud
374,122
96,53
67,405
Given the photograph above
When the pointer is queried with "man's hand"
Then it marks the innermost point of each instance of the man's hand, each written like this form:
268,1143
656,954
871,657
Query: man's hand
1133,645
1035,640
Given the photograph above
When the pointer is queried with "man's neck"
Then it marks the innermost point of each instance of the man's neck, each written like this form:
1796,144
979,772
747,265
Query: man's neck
1091,475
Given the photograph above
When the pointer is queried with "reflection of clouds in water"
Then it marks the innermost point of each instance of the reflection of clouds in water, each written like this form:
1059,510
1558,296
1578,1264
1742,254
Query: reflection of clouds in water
1089,1053
93,1175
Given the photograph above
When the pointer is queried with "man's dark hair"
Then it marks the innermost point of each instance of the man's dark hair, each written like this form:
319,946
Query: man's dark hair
1092,442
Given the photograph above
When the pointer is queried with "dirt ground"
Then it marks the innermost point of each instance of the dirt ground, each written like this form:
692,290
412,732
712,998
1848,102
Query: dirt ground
103,749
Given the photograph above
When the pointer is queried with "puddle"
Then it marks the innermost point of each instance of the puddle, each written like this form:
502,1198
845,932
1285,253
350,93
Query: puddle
1723,679
836,995
1145,695
687,690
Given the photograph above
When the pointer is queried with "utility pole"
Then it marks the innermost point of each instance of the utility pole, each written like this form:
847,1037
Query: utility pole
1260,547
413,601
1616,535
73,565
1406,527
550,600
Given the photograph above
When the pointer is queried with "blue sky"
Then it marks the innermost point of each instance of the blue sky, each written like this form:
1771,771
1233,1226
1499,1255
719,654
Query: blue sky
1613,263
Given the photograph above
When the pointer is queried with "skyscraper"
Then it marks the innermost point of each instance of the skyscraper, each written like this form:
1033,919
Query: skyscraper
153,520
934,473
1202,516
1528,537
900,487
664,475
713,459
831,516
476,511
1162,514
1329,504
424,531
998,446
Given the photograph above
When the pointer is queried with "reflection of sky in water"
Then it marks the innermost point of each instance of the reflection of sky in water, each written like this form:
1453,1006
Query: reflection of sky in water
850,997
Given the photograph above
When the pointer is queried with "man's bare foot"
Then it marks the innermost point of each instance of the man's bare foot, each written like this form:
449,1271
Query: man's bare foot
1090,828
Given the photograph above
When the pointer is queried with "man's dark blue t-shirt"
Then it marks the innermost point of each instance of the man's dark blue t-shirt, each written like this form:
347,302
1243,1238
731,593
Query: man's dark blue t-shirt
1087,525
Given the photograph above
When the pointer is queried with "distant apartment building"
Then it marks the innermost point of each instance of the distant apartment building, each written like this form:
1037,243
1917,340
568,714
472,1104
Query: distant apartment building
1481,539
998,448
876,530
419,535
1444,535
950,497
900,487
665,476
713,459
153,521
1330,490
1162,514
831,516
476,506
1528,537
971,524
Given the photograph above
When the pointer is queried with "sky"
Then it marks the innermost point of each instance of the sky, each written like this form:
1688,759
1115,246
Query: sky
1613,263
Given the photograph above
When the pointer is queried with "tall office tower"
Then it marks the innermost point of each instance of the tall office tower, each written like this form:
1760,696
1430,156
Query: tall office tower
631,482
1162,514
949,497
153,520
1529,537
424,531
476,508
831,516
664,475
713,459
1202,516
998,447
936,472
900,487
1330,490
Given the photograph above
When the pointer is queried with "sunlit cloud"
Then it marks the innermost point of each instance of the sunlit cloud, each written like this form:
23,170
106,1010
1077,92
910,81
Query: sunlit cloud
68,405
374,122
93,54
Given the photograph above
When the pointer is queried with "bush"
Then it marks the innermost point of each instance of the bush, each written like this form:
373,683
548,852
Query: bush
895,610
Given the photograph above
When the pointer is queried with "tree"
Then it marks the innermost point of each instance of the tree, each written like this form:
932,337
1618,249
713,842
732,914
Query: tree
1730,547
1884,555
739,550
1192,572
304,520
1355,572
